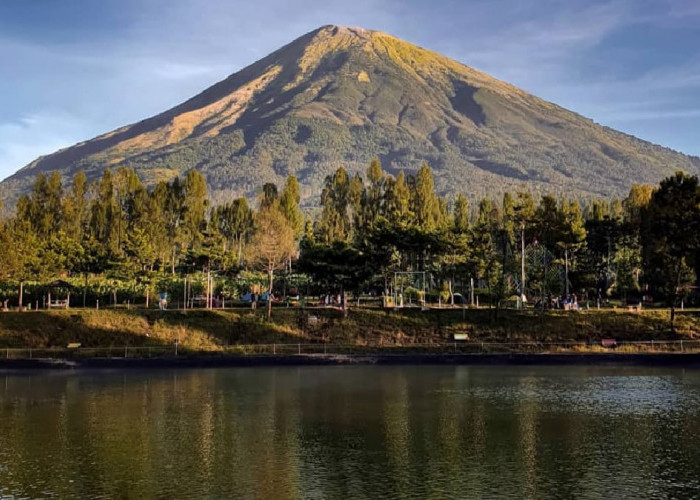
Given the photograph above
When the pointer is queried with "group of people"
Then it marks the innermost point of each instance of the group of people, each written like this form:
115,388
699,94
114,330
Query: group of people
568,303
329,299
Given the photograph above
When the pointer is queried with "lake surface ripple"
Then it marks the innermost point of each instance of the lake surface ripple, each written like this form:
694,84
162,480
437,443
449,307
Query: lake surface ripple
352,432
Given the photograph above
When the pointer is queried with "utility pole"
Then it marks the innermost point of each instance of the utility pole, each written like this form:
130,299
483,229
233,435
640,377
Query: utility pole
566,268
522,265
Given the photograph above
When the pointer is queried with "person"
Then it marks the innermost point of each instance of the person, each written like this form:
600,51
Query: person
254,301
163,301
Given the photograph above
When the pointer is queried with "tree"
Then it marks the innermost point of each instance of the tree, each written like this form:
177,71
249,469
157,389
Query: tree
636,202
671,233
271,245
426,205
103,212
460,214
42,208
572,233
19,253
175,212
547,228
373,200
234,222
336,265
289,205
398,200
195,206
356,204
335,197
75,207
627,264
523,214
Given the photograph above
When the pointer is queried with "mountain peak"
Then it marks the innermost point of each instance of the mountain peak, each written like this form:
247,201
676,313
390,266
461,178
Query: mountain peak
335,30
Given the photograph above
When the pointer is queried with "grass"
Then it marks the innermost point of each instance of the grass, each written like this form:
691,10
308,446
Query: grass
364,329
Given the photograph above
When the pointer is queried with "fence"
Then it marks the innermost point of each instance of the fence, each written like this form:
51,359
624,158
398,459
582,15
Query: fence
299,349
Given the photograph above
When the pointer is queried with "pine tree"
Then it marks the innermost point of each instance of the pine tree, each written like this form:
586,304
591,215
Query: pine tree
75,207
373,205
671,234
426,206
461,214
398,201
195,206
335,197
289,205
269,196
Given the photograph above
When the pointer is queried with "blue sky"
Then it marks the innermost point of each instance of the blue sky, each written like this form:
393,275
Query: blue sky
73,69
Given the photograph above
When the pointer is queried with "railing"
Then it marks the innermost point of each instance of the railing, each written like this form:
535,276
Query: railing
299,349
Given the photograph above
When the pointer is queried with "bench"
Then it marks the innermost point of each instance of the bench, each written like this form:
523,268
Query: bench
609,343
73,345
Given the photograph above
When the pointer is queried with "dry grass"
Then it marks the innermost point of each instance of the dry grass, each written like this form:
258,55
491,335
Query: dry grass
217,330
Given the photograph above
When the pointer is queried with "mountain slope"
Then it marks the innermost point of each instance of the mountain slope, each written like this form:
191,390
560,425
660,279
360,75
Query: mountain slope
341,96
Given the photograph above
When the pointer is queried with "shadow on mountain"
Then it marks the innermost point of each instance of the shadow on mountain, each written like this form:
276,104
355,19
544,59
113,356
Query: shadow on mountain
500,169
464,103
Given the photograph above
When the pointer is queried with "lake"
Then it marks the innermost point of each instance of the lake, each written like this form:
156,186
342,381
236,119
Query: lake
352,432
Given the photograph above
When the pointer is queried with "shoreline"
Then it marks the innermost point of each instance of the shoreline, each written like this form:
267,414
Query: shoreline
689,360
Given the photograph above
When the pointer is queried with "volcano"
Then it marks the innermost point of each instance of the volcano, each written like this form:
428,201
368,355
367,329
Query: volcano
341,96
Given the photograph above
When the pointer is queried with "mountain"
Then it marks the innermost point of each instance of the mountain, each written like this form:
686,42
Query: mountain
341,96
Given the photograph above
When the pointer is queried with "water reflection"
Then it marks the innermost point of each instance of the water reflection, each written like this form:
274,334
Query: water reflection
352,432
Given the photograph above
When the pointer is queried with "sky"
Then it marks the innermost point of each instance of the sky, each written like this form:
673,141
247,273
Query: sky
74,69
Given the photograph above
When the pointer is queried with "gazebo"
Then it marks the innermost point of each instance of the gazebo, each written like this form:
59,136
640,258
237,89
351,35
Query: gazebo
59,286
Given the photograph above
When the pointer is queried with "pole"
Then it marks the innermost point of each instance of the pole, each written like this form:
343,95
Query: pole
471,290
522,265
607,263
566,269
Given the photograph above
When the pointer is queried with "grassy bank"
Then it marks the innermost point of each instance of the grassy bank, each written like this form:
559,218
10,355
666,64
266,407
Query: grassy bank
215,330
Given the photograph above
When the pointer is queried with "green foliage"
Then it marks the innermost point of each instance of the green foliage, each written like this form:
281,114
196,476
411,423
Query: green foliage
289,205
141,241
671,233
316,114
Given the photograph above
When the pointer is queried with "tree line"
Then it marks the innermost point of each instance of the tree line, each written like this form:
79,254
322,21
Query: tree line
367,229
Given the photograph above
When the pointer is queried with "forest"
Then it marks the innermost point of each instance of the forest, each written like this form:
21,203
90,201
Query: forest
115,242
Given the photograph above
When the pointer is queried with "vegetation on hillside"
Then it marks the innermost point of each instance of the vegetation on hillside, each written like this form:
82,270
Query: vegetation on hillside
341,97
387,236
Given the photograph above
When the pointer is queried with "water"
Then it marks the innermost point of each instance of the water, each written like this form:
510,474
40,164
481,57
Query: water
352,432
